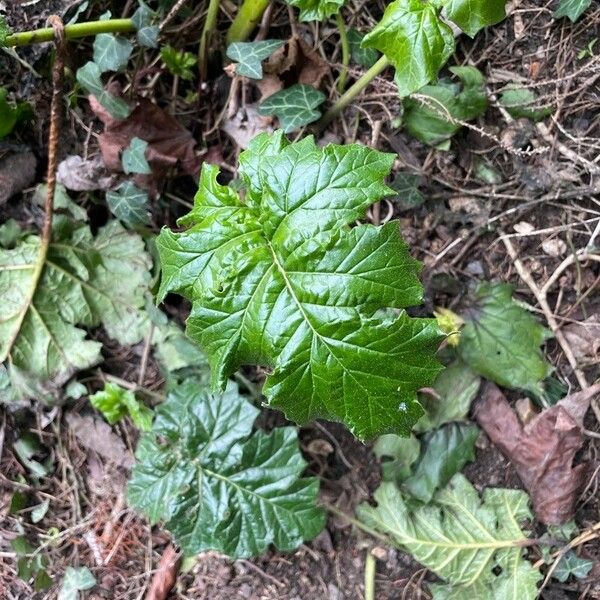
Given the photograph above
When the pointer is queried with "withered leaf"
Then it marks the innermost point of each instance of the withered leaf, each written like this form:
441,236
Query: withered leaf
169,143
542,452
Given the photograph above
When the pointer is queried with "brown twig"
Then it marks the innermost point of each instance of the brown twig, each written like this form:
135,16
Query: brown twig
165,575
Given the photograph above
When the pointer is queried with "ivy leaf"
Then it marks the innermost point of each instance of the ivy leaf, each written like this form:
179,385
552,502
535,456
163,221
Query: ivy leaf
567,8
461,538
11,116
316,10
143,19
415,41
134,157
217,485
280,280
111,52
179,63
501,340
406,185
365,57
84,281
88,78
249,56
74,581
294,107
114,403
521,103
473,15
456,387
433,117
129,204
571,564
444,452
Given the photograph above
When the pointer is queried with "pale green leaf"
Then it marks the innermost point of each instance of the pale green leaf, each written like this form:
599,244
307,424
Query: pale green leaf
39,512
88,78
316,10
434,115
455,389
217,485
571,564
134,157
249,56
114,403
397,455
111,52
461,538
144,21
280,280
84,281
76,579
415,40
572,9
129,204
501,340
294,107
178,62
473,15
62,202
11,115
444,452
522,103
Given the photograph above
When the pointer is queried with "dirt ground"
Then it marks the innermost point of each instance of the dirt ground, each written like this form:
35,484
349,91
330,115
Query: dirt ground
550,179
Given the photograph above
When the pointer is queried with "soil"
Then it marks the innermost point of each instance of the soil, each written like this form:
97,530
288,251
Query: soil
550,180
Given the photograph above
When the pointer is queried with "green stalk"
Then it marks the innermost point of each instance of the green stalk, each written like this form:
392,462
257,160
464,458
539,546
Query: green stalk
345,52
354,90
250,13
72,32
209,26
369,576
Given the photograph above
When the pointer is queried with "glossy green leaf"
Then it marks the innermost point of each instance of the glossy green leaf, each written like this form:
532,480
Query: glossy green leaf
444,452
572,565
455,389
316,10
415,40
144,21
11,116
501,340
522,103
279,279
461,538
76,579
111,52
114,403
249,56
129,204
215,484
473,15
572,9
365,57
397,455
178,62
433,117
85,280
294,107
134,157
88,78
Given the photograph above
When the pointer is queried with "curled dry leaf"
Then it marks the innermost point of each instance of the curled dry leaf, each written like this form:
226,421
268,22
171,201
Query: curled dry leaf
584,339
542,451
246,124
296,62
169,144
84,174
165,575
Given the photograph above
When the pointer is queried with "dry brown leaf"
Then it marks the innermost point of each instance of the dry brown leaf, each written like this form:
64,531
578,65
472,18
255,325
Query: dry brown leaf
165,575
541,451
98,436
169,144
16,173
84,174
584,339
295,62
246,124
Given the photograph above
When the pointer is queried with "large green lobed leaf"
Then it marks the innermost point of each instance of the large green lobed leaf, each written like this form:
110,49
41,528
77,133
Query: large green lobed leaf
218,486
279,279
475,545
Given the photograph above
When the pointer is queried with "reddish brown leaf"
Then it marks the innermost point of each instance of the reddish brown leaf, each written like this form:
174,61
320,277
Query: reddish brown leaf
165,576
542,452
170,144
